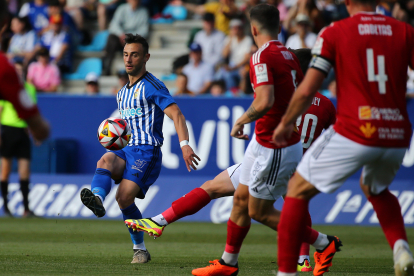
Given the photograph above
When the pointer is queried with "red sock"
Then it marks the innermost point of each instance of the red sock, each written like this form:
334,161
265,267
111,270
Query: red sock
304,248
187,205
235,237
388,211
291,233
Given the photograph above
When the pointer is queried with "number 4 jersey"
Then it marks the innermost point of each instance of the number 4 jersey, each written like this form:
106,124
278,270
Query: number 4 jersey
370,54
274,65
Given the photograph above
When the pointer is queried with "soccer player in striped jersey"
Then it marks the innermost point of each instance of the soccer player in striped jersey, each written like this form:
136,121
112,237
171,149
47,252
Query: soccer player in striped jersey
142,102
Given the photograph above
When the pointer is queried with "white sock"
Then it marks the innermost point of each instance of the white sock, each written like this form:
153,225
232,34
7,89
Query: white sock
399,247
321,242
160,220
286,274
229,258
302,258
140,246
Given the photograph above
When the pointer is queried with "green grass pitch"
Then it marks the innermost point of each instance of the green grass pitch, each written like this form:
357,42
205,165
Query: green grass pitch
98,247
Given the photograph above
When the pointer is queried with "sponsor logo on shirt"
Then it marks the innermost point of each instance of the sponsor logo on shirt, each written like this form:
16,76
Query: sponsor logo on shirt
391,133
375,113
131,112
368,130
261,73
139,164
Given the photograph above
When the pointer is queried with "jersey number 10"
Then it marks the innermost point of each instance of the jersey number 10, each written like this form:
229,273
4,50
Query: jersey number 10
381,77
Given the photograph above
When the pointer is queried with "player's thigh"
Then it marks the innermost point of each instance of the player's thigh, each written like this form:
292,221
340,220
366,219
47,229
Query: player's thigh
379,174
220,186
126,193
330,160
272,170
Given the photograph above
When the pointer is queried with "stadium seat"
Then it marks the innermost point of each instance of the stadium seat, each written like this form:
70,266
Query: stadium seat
98,43
86,66
171,13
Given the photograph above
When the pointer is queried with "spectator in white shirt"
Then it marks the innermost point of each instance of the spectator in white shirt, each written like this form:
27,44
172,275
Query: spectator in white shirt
237,52
211,40
303,38
199,73
22,42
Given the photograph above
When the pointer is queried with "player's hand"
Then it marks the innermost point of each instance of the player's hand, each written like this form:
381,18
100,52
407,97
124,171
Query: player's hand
190,158
237,132
282,134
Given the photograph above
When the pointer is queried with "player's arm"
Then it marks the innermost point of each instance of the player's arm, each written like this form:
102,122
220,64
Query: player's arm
300,102
175,114
263,102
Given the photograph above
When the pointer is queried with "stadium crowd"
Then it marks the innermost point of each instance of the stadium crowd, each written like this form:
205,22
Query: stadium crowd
44,35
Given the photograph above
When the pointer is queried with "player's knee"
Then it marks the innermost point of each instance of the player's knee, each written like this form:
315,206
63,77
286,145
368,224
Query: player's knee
257,216
105,162
210,189
240,201
124,200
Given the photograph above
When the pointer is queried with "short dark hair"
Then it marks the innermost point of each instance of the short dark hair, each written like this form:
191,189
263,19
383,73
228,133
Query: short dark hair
267,16
54,3
25,21
209,17
43,52
304,55
369,2
130,38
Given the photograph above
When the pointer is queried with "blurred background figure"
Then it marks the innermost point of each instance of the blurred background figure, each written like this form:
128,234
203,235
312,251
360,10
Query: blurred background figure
23,40
58,42
37,12
129,18
211,40
68,24
15,143
92,84
181,84
236,53
122,81
43,74
218,88
106,10
303,38
200,74
223,11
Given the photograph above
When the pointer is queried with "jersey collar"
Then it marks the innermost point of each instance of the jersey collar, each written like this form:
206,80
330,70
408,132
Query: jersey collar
138,80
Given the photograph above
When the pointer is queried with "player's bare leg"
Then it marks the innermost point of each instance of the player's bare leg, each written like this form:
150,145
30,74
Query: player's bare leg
125,196
109,166
388,211
6,165
189,204
292,229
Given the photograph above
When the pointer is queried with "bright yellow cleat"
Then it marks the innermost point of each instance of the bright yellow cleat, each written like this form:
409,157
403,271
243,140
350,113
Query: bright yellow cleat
145,225
304,266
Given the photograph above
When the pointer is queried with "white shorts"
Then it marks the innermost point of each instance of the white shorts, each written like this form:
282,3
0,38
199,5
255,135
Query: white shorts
267,171
234,173
333,158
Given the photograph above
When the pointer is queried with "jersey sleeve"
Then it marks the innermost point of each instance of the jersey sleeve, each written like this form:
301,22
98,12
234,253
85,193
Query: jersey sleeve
324,50
261,70
162,98
12,90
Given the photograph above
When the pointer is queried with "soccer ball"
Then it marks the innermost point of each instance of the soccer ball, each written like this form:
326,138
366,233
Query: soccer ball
114,134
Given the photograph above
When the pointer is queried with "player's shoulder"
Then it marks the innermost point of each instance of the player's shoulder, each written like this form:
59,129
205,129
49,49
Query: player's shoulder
153,82
270,52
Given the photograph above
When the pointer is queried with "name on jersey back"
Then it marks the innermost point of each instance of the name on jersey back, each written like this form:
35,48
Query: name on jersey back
375,29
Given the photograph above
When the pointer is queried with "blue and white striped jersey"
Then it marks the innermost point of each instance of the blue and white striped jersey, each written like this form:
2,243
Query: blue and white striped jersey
142,105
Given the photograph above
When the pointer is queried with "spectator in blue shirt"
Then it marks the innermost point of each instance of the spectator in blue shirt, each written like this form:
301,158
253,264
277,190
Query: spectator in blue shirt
57,41
37,13
69,25
23,40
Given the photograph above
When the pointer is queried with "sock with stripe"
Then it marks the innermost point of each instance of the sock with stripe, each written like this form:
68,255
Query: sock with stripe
132,212
187,205
235,238
388,211
292,232
101,183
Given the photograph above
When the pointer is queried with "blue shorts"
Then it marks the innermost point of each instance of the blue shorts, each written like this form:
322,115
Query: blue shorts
143,165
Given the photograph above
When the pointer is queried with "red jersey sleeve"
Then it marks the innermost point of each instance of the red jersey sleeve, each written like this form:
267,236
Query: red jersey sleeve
11,89
260,71
324,50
